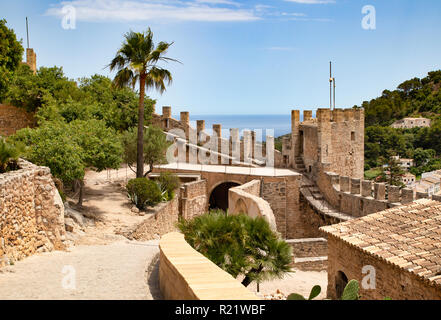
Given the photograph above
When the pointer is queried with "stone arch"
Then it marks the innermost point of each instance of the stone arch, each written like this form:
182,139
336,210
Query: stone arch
219,195
341,280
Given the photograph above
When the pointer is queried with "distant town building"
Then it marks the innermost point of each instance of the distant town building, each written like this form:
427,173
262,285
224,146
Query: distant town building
406,164
408,179
409,123
430,183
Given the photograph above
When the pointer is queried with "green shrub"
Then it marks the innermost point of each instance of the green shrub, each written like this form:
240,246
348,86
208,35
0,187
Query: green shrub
168,182
9,154
143,192
240,245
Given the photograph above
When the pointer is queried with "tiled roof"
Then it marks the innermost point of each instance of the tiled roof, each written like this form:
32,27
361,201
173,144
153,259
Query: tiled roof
407,236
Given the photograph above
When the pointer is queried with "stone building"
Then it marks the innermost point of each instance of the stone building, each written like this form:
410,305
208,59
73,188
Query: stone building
409,123
398,249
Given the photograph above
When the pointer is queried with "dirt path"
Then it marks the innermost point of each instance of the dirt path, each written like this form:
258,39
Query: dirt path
103,264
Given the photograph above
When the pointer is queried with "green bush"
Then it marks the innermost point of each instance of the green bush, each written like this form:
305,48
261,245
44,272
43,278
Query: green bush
143,192
9,154
168,182
240,245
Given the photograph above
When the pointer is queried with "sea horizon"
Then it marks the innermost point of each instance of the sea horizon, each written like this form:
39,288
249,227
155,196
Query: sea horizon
271,124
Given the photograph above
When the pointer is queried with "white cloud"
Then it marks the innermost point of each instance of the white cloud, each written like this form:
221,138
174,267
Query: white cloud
142,10
312,1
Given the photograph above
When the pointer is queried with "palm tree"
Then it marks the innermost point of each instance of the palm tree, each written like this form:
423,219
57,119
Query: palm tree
135,61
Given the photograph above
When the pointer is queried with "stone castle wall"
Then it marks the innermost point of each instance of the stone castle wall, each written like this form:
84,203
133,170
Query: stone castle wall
335,138
31,213
13,119
359,198
246,199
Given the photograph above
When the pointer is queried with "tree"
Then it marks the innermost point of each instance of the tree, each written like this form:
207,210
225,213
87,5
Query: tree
9,154
68,149
154,147
423,157
31,92
392,172
137,60
11,52
239,244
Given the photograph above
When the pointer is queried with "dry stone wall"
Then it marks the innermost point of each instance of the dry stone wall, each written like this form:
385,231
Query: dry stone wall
31,213
189,202
246,199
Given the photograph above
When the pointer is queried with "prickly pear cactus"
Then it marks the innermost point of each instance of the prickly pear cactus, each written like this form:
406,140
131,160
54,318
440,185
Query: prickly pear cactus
351,291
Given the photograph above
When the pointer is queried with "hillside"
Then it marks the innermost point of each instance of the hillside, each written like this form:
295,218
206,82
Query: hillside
415,98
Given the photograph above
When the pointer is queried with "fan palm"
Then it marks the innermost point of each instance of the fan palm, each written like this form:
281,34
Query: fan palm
137,61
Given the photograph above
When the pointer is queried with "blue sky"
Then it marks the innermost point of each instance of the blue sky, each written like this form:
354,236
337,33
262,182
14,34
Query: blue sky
246,57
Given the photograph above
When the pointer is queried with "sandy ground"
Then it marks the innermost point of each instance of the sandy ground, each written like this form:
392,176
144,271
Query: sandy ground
295,282
114,271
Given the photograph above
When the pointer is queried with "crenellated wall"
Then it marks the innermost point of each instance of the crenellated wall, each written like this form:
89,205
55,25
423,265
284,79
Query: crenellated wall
357,197
232,151
246,199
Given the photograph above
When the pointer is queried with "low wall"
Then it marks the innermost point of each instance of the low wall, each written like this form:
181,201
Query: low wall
245,199
13,119
309,254
189,202
31,213
359,198
185,274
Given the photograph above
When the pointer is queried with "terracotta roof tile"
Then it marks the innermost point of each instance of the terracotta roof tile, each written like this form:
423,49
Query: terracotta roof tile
408,236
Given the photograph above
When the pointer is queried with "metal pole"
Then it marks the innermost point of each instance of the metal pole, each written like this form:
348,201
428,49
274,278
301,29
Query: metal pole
27,31
334,92
330,85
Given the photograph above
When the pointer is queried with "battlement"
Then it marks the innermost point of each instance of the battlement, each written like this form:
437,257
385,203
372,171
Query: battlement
324,115
227,148
358,197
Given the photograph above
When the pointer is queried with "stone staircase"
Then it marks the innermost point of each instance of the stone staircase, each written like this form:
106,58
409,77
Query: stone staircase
300,165
315,198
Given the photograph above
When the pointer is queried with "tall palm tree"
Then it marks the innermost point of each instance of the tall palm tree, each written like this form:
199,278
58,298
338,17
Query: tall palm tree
137,60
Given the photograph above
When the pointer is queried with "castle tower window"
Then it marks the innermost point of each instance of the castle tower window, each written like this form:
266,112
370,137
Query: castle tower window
353,136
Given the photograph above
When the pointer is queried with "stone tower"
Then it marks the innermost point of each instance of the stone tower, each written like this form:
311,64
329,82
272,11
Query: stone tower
31,59
333,141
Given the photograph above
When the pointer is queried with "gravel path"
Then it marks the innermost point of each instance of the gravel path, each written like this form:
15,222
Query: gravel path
114,271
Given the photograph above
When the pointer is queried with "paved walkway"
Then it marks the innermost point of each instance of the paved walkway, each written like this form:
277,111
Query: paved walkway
115,271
